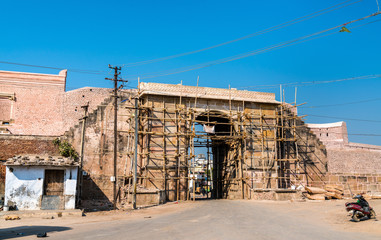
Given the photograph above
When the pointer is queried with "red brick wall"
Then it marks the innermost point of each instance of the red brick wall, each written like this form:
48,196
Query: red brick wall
15,145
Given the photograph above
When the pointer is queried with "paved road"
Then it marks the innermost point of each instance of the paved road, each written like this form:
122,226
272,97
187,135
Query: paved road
219,219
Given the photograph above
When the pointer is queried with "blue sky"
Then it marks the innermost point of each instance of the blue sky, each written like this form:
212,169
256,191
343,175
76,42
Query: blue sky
92,34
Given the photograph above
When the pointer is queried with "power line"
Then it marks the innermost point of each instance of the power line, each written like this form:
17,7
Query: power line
342,104
296,84
341,118
255,52
267,30
85,71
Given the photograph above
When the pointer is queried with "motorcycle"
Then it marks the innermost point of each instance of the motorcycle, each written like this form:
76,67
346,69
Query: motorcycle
358,210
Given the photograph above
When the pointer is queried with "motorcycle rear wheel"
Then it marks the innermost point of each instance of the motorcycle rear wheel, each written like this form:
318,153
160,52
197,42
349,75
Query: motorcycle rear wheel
355,217
372,214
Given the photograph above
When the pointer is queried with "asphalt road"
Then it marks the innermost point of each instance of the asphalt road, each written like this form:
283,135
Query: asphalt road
219,219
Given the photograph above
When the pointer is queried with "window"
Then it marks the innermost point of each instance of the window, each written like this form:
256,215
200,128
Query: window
6,107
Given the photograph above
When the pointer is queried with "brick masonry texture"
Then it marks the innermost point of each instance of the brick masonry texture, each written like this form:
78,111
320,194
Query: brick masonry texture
41,106
19,145
344,156
11,145
38,109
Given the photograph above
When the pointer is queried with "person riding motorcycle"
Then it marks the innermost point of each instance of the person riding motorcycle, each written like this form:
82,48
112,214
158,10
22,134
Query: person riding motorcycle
362,202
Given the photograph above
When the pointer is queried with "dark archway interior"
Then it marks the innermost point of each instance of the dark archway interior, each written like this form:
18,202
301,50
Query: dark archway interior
219,149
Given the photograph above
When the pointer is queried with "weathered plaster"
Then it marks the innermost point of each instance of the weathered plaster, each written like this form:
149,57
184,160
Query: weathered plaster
24,186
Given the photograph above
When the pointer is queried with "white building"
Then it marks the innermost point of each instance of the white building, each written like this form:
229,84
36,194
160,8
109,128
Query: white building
40,183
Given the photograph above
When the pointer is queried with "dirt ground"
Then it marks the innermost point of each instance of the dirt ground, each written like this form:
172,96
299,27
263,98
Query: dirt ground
331,212
322,216
102,216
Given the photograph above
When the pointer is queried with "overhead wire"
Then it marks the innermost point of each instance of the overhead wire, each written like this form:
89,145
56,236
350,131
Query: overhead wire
342,104
255,52
86,71
349,119
267,30
297,84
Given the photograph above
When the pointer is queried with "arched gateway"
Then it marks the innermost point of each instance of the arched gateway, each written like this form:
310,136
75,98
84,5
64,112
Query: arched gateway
254,144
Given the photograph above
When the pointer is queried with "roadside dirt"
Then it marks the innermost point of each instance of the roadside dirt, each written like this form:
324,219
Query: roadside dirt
332,212
102,216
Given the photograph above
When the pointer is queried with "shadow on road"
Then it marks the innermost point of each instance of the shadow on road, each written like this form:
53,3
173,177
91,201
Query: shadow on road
24,231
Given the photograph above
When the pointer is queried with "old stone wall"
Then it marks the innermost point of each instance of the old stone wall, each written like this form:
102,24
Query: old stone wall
354,161
97,189
333,135
75,99
353,166
246,161
356,183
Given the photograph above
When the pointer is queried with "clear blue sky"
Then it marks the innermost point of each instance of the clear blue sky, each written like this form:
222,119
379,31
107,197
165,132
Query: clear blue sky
93,34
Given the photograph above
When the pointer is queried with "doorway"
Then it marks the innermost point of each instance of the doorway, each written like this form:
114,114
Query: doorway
213,132
53,198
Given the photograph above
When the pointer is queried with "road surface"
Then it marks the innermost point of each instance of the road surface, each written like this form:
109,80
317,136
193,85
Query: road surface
218,219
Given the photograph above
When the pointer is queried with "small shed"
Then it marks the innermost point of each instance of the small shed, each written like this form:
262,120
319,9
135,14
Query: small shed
41,183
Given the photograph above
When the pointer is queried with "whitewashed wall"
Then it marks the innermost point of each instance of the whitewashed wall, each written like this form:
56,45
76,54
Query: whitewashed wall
24,186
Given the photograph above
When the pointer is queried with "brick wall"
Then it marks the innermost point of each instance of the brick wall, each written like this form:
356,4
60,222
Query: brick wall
73,100
37,107
98,150
12,145
40,105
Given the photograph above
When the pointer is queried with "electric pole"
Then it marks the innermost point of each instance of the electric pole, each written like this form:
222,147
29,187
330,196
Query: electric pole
116,80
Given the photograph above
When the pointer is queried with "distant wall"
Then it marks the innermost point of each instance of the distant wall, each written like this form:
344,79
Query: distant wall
37,104
354,161
36,108
331,134
75,99
344,156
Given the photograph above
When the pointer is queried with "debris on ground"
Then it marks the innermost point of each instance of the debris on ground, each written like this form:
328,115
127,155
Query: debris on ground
42,235
11,217
329,192
314,193
334,191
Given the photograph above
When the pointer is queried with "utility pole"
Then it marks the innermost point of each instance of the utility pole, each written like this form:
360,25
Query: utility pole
136,149
80,173
116,80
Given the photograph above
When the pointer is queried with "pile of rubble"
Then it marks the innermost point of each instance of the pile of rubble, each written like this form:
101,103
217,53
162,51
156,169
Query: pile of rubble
329,192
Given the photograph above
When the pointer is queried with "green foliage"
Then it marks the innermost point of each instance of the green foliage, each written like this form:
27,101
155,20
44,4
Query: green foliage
65,148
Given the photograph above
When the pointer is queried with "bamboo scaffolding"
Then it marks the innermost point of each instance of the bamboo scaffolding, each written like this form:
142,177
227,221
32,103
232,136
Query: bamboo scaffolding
169,139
